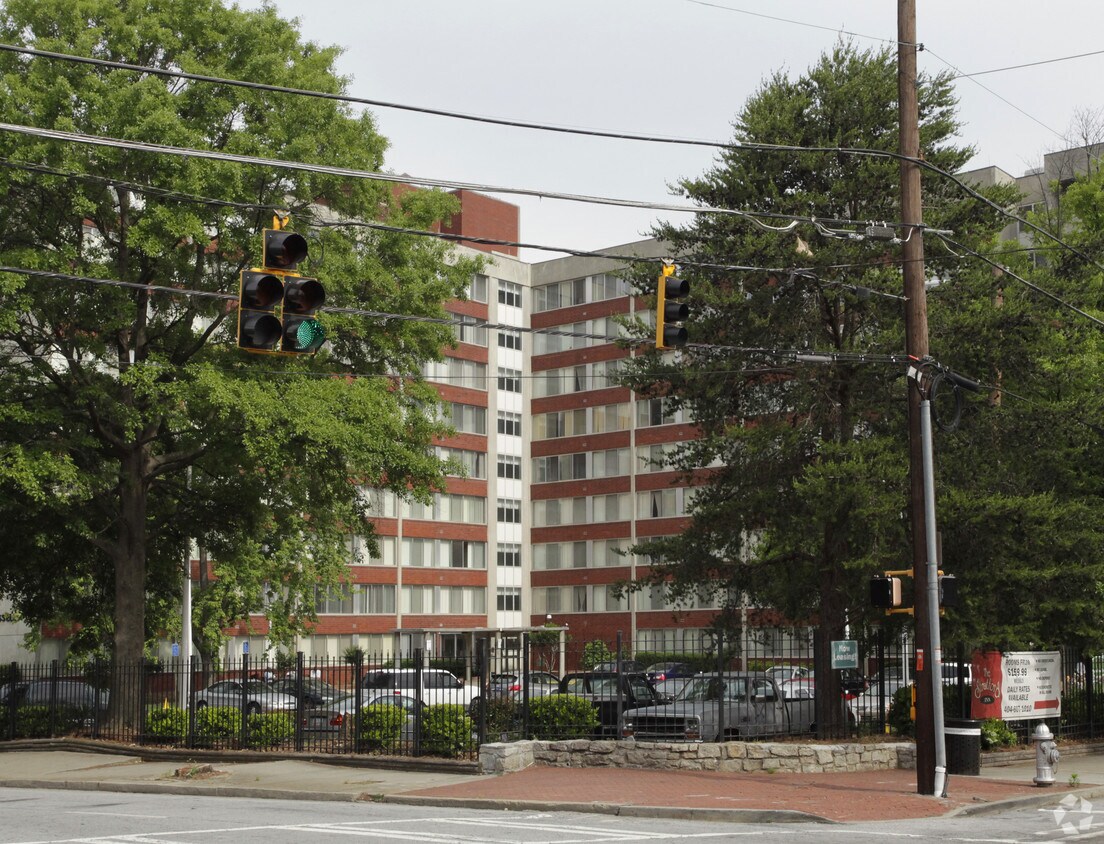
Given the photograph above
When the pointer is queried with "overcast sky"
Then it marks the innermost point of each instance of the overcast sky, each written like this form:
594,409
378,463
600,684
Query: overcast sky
670,67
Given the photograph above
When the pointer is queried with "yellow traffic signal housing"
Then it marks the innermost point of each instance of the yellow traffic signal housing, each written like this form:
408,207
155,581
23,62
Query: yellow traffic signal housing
670,313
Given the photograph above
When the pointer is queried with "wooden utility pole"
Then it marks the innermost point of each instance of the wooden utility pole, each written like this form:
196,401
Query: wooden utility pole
916,344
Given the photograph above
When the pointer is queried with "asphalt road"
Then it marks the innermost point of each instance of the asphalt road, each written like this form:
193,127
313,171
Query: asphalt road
76,817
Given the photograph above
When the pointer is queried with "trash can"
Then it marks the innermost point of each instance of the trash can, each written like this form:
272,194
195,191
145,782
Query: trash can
963,739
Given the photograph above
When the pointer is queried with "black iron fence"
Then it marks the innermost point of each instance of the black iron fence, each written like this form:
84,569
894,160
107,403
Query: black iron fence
754,685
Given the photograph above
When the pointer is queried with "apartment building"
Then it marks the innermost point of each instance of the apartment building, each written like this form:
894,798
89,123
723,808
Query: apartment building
563,475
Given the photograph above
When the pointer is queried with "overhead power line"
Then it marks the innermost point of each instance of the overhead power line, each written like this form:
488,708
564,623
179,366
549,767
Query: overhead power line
1029,284
745,146
1028,64
370,175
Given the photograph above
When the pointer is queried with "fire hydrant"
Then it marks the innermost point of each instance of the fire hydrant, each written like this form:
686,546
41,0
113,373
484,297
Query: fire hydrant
1046,756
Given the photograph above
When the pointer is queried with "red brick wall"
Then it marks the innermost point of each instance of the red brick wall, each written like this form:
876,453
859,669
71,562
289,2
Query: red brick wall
485,216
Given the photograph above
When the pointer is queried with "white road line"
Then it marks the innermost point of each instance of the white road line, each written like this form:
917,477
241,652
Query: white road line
118,815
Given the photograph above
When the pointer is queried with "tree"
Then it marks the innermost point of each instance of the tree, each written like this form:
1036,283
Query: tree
112,392
809,498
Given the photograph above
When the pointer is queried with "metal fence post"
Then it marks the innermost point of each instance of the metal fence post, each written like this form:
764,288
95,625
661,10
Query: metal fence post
192,662
526,654
300,709
358,698
620,689
720,683
244,679
484,685
419,694
13,674
53,697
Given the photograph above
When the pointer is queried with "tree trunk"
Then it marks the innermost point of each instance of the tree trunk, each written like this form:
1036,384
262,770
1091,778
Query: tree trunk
130,586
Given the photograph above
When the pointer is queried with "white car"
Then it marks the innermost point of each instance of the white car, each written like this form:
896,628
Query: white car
437,686
254,695
868,705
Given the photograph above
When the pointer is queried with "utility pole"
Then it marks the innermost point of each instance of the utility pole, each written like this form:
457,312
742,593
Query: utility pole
916,344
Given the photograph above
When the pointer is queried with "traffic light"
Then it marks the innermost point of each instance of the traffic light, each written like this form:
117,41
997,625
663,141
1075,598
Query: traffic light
302,333
948,591
283,250
258,326
885,592
670,288
277,306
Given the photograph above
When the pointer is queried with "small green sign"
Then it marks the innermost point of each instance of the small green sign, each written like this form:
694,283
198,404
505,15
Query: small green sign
845,654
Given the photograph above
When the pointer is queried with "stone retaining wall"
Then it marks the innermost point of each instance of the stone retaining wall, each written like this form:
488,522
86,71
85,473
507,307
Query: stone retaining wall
734,756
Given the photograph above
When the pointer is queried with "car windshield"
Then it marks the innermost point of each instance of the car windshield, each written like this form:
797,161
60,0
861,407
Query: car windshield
710,688
259,687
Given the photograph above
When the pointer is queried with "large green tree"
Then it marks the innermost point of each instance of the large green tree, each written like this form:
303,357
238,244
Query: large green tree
130,422
810,496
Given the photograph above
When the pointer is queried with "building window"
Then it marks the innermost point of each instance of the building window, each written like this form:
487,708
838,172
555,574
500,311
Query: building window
509,598
509,511
469,418
457,371
472,463
509,554
509,294
509,380
509,339
469,329
509,466
477,290
509,423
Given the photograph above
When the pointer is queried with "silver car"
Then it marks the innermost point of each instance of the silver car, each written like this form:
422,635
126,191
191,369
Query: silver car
253,696
338,716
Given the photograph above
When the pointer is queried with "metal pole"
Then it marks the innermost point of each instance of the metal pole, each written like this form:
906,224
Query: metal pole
940,782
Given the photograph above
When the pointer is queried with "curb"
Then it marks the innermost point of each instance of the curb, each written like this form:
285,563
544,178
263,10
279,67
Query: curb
624,810
200,790
1043,798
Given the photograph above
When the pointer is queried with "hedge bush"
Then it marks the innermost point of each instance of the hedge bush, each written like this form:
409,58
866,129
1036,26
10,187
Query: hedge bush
503,717
217,723
380,726
268,729
557,717
169,723
996,733
446,731
34,721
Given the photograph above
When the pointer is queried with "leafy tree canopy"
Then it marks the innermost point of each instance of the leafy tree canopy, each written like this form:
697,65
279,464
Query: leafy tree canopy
129,421
803,468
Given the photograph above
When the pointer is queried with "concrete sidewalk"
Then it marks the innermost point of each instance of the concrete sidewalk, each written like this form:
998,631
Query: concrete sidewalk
760,797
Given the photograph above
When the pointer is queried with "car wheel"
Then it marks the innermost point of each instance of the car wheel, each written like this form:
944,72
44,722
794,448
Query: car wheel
253,708
201,704
474,707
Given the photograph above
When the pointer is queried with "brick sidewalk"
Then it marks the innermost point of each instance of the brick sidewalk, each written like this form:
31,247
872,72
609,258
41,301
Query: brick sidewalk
863,796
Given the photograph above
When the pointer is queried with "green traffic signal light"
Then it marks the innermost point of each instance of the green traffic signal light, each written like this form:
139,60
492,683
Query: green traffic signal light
303,334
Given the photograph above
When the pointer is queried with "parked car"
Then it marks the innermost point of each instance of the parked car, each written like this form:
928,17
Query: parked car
68,694
315,692
252,695
601,689
721,707
670,689
660,671
338,714
874,703
785,673
628,666
541,683
437,685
